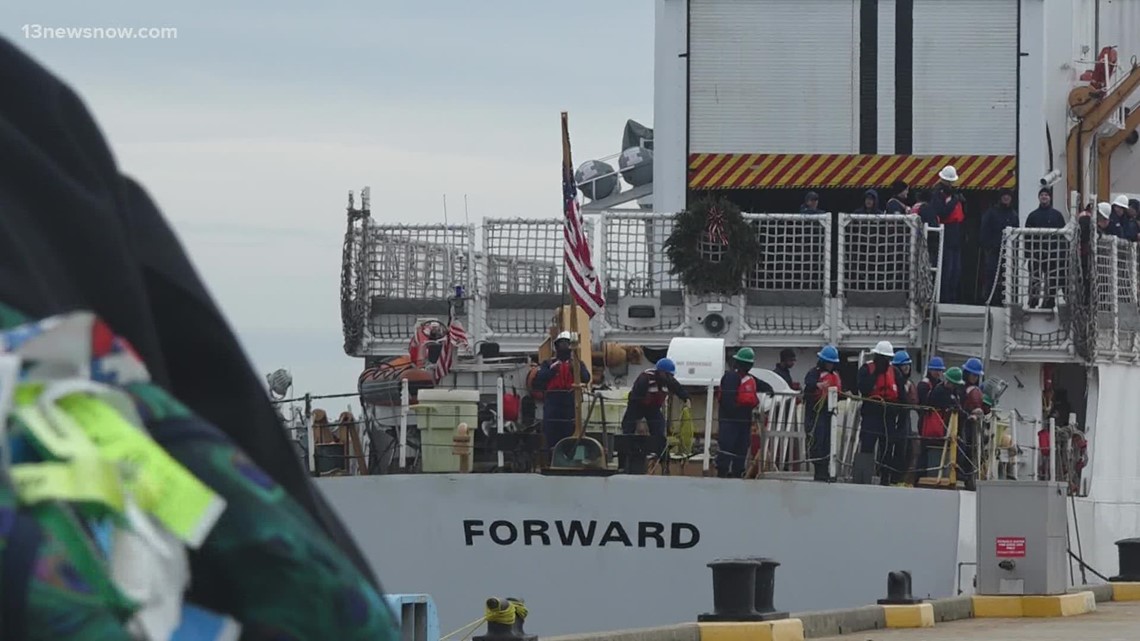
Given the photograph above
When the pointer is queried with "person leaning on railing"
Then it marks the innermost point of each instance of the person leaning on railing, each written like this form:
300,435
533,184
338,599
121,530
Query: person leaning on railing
896,468
974,410
879,388
929,421
817,418
738,397
944,399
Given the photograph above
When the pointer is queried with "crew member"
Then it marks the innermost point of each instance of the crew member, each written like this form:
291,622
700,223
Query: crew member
897,202
974,410
784,368
995,221
817,418
895,468
870,203
738,399
944,400
811,204
934,369
1124,217
1105,224
878,385
648,395
949,209
1046,264
556,378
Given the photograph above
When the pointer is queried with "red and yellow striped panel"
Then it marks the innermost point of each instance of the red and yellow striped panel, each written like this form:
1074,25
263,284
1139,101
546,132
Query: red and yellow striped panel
780,171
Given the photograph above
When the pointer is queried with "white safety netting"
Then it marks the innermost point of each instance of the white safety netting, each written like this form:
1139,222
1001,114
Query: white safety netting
524,274
785,293
1117,310
884,275
1042,277
635,266
412,271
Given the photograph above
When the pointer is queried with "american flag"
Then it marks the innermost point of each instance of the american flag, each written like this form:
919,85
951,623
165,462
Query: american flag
585,285
456,337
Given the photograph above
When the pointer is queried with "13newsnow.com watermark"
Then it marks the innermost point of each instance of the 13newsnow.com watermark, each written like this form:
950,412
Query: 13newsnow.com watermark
43,32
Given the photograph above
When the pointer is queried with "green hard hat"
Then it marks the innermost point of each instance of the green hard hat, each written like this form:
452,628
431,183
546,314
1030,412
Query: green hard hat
745,355
954,375
987,400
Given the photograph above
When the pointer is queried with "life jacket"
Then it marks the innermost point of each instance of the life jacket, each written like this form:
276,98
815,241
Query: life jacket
563,380
934,424
931,423
814,395
956,216
511,406
973,399
746,392
657,392
885,387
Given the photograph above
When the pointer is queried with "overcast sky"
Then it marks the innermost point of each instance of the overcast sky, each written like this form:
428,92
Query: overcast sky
250,127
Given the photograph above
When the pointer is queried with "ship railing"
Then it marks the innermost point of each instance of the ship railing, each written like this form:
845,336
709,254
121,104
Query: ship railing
411,272
641,295
1043,290
884,276
513,282
1117,315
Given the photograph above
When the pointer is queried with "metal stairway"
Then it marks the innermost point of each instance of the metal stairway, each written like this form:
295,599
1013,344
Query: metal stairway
961,329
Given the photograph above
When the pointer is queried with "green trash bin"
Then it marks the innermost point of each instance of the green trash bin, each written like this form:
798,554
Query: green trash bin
438,412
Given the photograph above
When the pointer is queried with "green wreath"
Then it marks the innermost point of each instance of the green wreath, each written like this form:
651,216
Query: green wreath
712,247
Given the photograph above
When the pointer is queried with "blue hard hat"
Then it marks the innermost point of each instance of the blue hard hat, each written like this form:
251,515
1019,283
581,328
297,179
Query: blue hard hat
666,365
901,358
829,354
973,366
936,364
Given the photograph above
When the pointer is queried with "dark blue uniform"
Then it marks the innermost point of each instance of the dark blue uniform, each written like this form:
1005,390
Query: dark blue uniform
556,379
817,419
995,221
646,397
881,394
735,421
949,209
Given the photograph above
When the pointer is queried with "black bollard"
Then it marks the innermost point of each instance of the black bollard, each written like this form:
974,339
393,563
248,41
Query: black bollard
766,590
734,591
505,621
898,589
1128,553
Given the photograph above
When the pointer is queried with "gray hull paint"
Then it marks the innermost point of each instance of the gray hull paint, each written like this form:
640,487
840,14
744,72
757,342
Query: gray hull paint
836,543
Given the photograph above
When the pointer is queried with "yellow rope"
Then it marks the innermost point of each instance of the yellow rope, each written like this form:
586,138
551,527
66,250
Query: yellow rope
515,610
508,616
469,628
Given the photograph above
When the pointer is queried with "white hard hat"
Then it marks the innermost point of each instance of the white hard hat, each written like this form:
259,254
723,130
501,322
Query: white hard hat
1104,209
1121,201
884,348
564,336
949,174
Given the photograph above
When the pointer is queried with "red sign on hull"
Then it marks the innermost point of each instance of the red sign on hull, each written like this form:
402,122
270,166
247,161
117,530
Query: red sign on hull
1010,547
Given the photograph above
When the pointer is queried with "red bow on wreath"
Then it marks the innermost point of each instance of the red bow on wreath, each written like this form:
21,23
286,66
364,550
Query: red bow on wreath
715,228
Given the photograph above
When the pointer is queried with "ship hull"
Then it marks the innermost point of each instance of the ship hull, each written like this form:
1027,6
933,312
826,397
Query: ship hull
593,554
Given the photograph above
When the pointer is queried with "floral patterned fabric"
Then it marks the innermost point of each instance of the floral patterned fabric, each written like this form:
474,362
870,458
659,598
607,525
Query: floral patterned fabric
267,563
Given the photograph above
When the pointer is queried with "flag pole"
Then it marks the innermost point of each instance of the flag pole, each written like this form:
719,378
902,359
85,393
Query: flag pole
576,350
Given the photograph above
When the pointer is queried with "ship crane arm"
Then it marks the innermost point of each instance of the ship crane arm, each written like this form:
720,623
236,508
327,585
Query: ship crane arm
1107,145
1092,110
